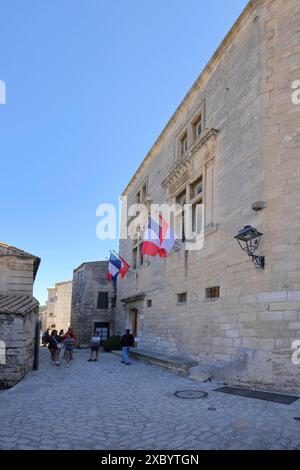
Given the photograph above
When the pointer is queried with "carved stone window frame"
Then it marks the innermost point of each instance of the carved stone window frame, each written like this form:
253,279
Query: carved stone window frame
188,130
200,112
199,162
140,191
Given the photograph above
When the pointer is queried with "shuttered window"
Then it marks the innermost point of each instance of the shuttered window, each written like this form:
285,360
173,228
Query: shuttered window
102,302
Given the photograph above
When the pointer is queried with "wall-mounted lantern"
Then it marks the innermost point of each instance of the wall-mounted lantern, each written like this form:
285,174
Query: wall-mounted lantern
248,239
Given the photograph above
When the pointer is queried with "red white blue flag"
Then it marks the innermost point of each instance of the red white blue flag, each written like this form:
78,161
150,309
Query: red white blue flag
124,267
159,238
151,243
167,237
114,266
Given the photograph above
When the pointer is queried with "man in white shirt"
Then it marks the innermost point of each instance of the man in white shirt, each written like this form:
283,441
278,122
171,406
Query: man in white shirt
95,346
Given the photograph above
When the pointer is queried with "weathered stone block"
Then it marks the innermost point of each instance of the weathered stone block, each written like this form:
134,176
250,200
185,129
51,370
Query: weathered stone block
270,316
290,316
294,326
272,297
294,295
284,306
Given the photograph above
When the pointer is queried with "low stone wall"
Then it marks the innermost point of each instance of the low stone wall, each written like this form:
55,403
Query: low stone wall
177,364
17,335
270,371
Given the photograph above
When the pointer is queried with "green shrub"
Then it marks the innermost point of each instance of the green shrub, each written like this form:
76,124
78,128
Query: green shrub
112,344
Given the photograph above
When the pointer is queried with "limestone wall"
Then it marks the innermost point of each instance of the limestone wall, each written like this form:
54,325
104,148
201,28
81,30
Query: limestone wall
51,319
18,334
255,157
16,275
63,305
90,279
59,306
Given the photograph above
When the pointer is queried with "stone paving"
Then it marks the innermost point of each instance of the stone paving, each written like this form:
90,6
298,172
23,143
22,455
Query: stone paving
107,405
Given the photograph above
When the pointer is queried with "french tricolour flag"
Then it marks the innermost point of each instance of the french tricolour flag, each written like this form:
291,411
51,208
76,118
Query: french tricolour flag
167,237
124,267
159,238
114,267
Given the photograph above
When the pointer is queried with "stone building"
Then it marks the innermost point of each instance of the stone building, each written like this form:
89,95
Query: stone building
43,317
19,314
59,306
232,144
18,270
93,302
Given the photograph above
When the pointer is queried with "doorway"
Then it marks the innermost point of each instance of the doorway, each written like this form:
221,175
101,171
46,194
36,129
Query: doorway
134,321
103,329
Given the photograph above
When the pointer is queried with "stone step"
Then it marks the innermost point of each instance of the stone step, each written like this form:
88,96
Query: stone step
177,364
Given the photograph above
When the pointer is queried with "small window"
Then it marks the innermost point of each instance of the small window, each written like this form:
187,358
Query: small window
197,127
137,247
183,144
180,222
197,221
52,326
149,303
141,256
134,257
182,298
196,188
144,193
102,302
141,195
212,292
51,314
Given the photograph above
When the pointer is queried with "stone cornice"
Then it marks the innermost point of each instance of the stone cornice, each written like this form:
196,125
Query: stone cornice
181,170
207,71
202,140
133,298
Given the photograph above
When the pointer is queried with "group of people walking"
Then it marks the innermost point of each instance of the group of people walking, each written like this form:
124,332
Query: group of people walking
58,341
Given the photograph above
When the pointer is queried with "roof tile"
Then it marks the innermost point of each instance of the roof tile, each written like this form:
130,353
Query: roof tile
20,304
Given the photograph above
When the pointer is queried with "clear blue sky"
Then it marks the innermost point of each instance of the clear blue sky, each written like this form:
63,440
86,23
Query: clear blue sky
90,85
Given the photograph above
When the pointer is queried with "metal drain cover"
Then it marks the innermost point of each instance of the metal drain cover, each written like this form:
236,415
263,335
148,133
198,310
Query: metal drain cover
267,396
190,394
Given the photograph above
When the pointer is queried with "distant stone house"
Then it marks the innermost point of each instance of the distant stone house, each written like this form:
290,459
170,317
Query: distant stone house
19,314
232,145
93,302
59,306
43,317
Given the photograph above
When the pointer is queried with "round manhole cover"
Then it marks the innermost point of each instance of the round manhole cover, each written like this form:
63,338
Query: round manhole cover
190,394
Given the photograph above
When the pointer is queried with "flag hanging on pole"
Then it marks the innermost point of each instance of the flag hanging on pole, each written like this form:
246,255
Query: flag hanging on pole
151,244
159,238
114,266
124,266
167,237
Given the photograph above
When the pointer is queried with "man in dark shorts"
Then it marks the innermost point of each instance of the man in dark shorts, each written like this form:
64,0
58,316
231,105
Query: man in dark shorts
95,346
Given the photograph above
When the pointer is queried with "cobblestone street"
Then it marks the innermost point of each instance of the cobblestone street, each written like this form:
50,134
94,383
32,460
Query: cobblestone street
107,405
